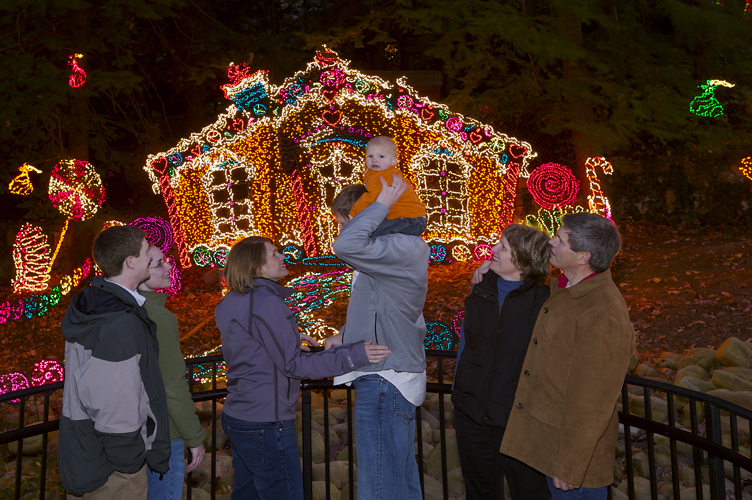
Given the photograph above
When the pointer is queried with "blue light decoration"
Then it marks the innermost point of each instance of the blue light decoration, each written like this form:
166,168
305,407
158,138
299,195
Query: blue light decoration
247,98
438,254
292,254
439,336
706,104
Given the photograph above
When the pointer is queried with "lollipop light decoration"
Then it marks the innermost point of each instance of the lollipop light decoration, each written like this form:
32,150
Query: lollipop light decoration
78,75
76,190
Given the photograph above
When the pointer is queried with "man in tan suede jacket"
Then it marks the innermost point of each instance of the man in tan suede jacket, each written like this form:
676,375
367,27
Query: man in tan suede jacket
564,421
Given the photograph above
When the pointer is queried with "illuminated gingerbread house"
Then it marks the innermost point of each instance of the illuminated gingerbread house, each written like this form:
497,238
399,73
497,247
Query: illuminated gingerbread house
272,163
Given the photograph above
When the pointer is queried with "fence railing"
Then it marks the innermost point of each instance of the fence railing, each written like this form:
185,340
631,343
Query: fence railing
671,436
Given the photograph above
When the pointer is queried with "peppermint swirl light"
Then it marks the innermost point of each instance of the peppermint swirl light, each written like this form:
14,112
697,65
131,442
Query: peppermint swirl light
158,232
76,189
553,185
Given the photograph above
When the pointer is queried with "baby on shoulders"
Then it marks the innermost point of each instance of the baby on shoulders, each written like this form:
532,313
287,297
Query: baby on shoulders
408,215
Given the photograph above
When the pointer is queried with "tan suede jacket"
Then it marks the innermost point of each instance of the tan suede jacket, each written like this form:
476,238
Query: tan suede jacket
564,421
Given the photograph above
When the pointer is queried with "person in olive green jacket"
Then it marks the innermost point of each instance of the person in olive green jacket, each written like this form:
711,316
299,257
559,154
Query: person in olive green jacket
185,427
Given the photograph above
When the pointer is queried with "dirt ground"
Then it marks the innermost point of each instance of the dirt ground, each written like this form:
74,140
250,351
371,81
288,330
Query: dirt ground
685,287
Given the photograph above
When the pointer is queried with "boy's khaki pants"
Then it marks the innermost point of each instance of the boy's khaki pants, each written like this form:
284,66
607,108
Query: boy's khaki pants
119,486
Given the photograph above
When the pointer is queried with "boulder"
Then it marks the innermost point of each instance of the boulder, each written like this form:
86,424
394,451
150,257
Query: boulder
31,446
617,494
728,471
319,491
734,352
425,434
433,465
344,455
641,486
727,380
318,451
745,373
337,414
339,473
703,359
633,362
691,371
641,465
200,494
696,384
455,482
681,448
691,494
204,410
658,407
433,486
662,456
221,437
742,398
643,370
668,360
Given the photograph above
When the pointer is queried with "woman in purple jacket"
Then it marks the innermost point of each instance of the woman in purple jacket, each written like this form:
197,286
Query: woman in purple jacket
261,343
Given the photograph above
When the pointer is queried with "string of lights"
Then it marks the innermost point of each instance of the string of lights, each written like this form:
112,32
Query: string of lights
78,75
21,184
706,103
597,201
746,167
31,256
552,184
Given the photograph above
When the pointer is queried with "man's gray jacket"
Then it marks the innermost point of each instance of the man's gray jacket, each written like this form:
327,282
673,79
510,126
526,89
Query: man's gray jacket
387,297
114,406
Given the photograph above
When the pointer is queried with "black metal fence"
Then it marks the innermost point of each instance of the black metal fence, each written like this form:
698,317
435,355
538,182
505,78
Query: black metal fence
707,435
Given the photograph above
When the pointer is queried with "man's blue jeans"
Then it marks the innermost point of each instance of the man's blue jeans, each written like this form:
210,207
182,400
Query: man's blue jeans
265,459
384,437
171,485
577,494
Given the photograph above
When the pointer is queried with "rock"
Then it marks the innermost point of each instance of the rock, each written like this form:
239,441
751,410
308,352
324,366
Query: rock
641,486
427,449
344,494
430,419
425,434
681,448
691,494
339,473
696,384
643,370
433,486
668,360
318,416
727,380
658,407
31,446
221,438
433,465
662,456
337,414
617,494
703,360
226,482
633,362
618,473
338,395
455,482
641,465
745,373
742,398
201,474
318,451
200,494
687,476
319,491
728,471
345,454
734,352
691,371
204,410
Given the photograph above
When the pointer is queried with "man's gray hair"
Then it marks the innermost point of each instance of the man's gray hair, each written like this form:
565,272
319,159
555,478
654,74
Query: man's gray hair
594,234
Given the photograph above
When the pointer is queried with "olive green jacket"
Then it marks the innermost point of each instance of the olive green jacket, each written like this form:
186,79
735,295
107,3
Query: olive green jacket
184,423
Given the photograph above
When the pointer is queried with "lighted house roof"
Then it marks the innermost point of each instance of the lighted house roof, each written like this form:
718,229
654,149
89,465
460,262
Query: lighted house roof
272,162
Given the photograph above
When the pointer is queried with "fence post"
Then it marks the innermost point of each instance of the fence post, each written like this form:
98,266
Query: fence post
715,464
307,452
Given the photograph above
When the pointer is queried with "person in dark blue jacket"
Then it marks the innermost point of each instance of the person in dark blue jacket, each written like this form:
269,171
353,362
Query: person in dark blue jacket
500,314
261,344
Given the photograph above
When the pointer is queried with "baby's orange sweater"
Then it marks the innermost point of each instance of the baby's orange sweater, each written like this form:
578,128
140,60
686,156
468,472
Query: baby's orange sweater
408,206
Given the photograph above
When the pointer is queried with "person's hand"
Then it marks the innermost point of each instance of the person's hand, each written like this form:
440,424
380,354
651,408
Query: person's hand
376,353
333,341
197,456
308,340
482,269
390,194
563,485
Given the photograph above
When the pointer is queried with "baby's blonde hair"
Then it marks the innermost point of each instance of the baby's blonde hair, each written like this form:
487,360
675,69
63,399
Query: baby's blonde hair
383,140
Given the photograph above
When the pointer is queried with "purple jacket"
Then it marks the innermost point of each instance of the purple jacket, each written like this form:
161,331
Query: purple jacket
263,355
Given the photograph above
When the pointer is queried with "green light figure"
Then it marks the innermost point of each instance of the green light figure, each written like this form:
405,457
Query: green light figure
706,104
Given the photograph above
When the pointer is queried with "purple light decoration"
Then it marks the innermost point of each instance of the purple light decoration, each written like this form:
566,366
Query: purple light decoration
158,232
